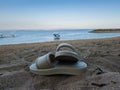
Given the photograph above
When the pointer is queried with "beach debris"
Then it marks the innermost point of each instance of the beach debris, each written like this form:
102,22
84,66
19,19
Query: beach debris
26,67
98,71
99,85
107,51
114,82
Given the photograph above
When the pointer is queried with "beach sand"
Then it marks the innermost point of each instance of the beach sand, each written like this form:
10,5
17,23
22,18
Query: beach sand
101,55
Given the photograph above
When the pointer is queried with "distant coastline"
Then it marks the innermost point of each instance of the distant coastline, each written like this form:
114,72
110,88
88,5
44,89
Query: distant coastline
105,31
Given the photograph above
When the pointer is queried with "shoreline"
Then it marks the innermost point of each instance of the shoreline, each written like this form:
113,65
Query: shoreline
103,53
60,41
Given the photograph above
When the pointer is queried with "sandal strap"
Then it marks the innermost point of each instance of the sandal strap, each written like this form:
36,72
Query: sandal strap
65,45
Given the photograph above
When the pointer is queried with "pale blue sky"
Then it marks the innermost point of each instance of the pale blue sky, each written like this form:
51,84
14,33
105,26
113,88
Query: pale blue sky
59,14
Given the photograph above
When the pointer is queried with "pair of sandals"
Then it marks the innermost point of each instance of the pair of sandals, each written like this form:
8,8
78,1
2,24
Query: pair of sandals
62,62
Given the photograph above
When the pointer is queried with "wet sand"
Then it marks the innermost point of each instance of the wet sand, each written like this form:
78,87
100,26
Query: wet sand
101,55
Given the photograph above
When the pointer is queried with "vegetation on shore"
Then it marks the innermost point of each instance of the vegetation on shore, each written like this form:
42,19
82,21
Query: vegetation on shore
105,31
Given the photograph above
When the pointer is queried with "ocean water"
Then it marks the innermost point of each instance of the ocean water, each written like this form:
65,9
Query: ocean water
33,36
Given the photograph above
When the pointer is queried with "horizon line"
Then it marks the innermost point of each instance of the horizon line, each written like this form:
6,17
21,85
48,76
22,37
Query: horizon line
61,29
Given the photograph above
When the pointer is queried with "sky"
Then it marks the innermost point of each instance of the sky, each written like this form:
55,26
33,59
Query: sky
59,14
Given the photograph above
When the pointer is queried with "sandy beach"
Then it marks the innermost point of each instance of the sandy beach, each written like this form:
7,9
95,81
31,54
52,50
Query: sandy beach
101,55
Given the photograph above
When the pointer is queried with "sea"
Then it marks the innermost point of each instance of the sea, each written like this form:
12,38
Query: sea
35,36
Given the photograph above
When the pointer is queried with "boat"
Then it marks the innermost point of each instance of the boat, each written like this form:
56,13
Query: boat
56,36
6,35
